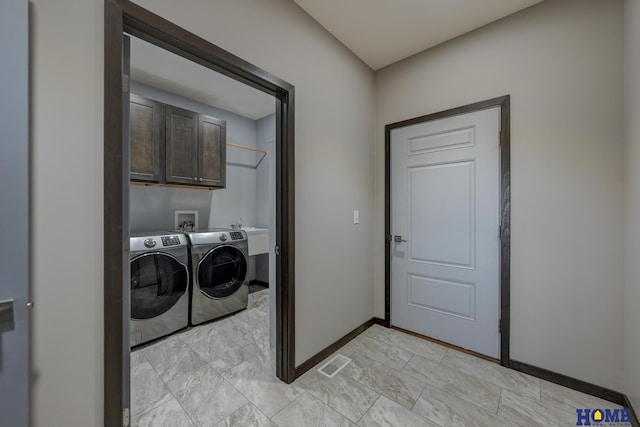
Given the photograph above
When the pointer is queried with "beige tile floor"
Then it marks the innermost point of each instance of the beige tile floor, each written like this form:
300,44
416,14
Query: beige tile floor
223,374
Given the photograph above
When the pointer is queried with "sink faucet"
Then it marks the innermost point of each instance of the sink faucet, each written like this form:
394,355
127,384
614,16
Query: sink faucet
237,225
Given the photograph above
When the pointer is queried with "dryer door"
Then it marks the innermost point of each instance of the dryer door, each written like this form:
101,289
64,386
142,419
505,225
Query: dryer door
158,280
222,271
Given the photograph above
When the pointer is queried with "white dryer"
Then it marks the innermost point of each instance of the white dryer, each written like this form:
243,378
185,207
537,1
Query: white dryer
219,269
159,265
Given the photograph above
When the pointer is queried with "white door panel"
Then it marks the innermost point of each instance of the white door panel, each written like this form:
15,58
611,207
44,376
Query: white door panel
445,204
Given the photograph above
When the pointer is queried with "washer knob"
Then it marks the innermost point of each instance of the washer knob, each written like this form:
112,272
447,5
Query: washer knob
223,237
149,243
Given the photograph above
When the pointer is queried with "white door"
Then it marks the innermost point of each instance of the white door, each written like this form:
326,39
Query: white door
14,213
445,197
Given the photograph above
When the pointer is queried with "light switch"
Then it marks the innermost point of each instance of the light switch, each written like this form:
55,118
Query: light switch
356,217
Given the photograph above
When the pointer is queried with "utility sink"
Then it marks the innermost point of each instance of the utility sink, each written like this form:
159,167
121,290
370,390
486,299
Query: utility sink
258,239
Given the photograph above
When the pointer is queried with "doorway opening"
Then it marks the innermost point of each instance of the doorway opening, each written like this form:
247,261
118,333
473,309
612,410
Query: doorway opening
125,18
429,282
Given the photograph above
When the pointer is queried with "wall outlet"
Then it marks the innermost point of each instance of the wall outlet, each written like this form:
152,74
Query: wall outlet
356,217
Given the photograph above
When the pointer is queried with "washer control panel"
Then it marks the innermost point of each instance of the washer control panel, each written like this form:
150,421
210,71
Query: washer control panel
236,235
170,240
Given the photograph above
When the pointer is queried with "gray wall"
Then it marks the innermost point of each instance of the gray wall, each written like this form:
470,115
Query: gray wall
334,123
632,193
561,61
152,208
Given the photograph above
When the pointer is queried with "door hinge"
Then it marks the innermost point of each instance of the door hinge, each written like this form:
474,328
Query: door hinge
125,83
125,417
276,249
499,326
500,232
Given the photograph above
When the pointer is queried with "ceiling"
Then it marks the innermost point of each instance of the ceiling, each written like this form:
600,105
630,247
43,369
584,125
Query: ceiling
381,32
164,70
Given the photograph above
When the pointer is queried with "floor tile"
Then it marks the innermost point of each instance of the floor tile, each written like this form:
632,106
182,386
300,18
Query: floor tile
263,350
137,358
257,318
236,330
308,411
386,413
386,354
147,389
490,372
447,410
407,342
248,415
259,299
342,394
171,358
206,396
394,379
258,382
518,408
464,386
221,353
169,414
393,384
554,393
196,333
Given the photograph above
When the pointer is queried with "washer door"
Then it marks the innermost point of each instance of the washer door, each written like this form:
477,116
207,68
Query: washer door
222,271
158,280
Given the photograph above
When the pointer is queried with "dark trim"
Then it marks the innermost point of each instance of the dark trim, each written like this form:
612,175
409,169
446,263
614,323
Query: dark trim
115,250
120,16
505,208
634,417
379,321
573,383
319,357
154,29
505,224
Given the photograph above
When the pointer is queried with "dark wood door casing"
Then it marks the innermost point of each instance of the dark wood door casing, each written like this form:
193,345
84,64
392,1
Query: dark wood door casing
125,16
504,102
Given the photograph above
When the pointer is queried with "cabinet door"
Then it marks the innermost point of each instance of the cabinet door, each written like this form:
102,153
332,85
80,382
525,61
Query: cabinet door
145,140
212,152
181,145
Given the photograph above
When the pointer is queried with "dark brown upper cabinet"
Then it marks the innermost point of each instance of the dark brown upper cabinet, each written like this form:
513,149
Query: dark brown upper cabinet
145,139
212,151
182,145
171,145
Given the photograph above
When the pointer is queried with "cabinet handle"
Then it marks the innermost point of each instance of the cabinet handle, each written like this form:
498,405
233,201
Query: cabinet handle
195,179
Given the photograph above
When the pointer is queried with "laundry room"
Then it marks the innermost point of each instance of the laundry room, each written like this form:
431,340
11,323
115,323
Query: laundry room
201,220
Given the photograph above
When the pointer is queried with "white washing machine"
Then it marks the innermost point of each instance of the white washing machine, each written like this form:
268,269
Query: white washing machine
219,269
159,265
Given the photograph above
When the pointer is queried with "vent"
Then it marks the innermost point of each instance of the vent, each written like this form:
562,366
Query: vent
333,366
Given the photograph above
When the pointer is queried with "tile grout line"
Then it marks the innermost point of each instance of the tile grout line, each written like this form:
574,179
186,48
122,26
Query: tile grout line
368,409
499,401
285,406
161,380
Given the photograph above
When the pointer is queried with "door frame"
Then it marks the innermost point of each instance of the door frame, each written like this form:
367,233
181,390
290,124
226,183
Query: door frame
123,15
505,208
